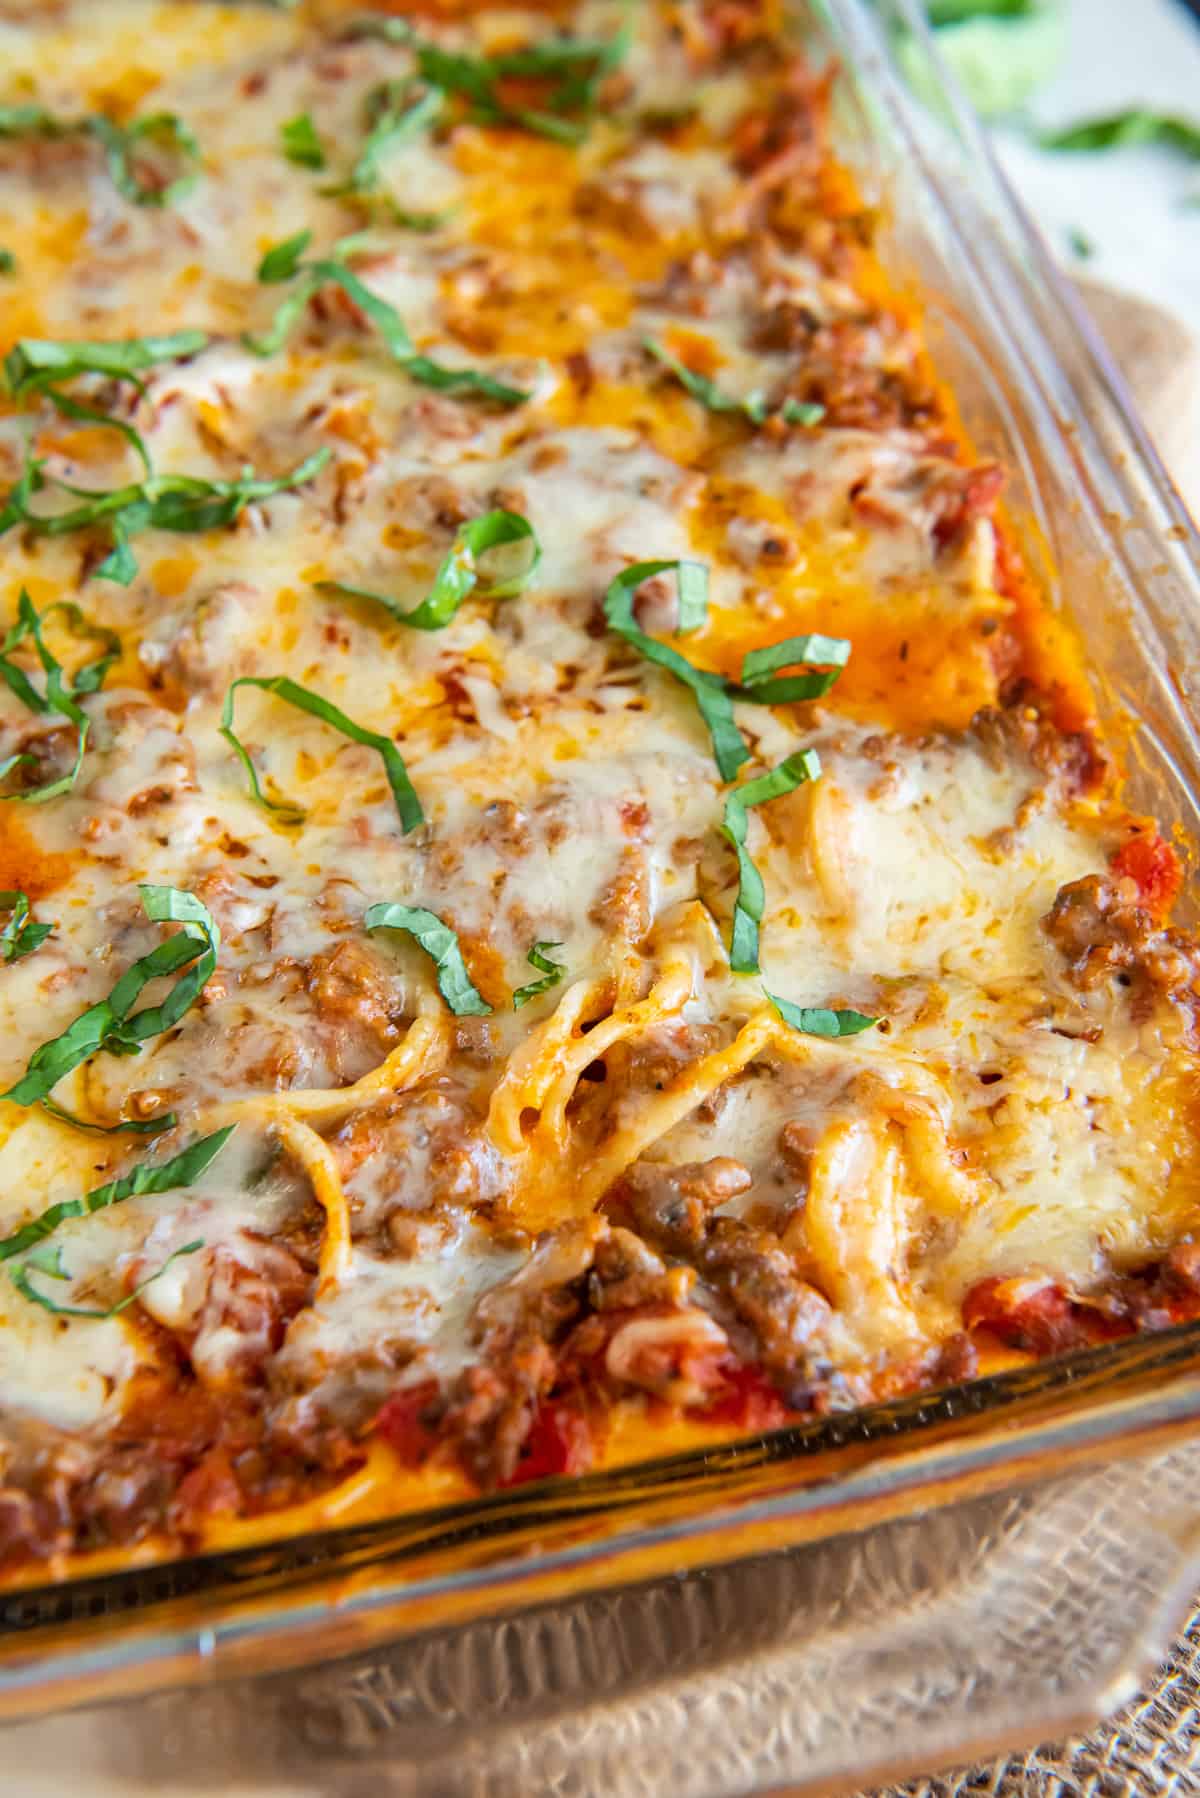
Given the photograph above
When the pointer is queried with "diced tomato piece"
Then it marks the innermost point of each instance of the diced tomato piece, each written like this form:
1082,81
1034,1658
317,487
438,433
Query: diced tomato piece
1154,868
210,1488
405,1422
560,1441
748,1400
1035,1314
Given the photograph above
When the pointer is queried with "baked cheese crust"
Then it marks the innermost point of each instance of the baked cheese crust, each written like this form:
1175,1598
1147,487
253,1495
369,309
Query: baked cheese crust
563,896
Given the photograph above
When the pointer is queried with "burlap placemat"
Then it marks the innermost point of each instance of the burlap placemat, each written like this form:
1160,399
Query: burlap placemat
1150,1747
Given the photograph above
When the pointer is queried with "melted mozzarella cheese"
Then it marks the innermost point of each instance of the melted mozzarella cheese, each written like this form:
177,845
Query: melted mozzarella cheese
569,789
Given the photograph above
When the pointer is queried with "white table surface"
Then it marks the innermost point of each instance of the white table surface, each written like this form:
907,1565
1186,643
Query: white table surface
1131,204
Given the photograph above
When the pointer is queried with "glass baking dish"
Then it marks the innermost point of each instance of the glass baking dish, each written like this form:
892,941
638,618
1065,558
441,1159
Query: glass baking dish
943,1604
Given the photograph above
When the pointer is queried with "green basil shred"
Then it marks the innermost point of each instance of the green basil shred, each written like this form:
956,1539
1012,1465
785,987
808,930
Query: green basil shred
714,694
125,1127
37,1262
62,693
805,765
711,691
753,405
819,1020
576,67
146,1177
459,573
759,666
38,366
290,691
300,143
552,971
121,145
111,1024
396,113
164,502
22,933
282,263
442,946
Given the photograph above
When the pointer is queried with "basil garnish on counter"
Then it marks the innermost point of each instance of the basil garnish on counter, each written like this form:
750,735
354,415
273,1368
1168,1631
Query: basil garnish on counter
62,692
956,12
1137,125
751,894
112,1024
293,694
459,573
22,933
282,263
552,972
819,1020
121,145
146,1177
441,944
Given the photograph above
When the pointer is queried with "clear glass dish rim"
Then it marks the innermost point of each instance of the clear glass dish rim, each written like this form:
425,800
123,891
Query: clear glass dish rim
1127,481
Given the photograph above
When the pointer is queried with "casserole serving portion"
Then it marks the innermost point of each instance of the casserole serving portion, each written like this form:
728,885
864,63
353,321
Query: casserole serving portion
567,901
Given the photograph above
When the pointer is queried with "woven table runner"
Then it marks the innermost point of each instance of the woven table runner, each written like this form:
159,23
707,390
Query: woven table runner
1148,1749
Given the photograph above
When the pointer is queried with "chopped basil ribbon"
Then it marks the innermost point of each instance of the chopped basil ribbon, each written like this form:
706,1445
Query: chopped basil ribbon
711,690
62,694
282,263
120,144
22,934
165,502
811,650
34,363
1139,125
582,66
553,971
403,792
146,1177
8,262
37,365
818,1020
459,573
714,694
753,405
441,944
751,894
397,111
300,142
112,1024
126,1127
53,1269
